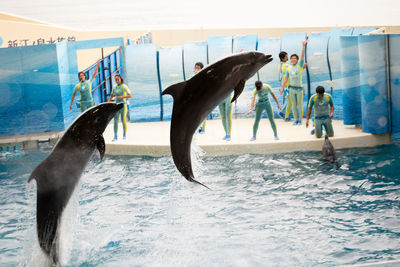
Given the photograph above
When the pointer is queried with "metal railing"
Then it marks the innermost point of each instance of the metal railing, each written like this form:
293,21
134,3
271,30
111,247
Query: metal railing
107,70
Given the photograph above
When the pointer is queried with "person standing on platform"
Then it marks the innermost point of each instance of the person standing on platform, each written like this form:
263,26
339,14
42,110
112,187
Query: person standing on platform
197,68
225,111
262,91
121,93
294,74
85,90
287,103
323,112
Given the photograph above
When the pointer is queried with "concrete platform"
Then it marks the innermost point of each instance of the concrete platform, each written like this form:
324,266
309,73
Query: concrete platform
153,138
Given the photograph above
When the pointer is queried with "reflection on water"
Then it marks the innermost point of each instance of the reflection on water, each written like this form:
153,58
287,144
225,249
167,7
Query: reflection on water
277,210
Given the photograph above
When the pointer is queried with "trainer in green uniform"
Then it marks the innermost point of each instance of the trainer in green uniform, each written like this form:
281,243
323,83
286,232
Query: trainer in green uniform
263,103
121,93
225,111
322,113
294,74
197,68
287,103
85,90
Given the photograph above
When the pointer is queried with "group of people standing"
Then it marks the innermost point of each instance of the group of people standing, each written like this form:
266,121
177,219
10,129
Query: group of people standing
291,76
120,92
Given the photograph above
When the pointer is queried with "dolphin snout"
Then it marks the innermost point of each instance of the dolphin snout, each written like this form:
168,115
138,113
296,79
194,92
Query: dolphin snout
267,58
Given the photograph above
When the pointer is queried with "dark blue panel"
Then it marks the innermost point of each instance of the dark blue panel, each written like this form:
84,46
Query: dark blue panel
350,80
395,85
171,72
374,94
193,52
142,77
243,44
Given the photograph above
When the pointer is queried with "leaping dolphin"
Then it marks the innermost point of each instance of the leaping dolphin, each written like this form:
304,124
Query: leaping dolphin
57,176
195,98
328,151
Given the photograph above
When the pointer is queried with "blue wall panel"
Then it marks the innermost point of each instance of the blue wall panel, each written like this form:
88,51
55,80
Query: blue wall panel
395,85
193,52
350,80
218,48
245,43
317,60
12,102
270,73
42,90
374,95
142,76
334,55
171,72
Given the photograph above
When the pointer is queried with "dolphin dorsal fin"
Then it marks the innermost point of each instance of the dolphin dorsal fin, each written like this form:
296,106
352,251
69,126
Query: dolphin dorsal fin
101,146
176,90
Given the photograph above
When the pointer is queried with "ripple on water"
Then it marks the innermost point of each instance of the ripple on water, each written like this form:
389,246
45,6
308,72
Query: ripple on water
289,209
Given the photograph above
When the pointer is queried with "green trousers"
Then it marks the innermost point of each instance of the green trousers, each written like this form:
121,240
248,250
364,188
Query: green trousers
121,113
327,123
225,110
296,96
86,104
287,105
260,107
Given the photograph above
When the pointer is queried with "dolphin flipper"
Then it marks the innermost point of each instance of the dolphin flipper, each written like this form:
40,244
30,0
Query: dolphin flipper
238,90
101,146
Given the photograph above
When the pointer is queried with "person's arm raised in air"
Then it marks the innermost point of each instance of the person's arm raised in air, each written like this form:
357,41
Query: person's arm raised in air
96,70
303,53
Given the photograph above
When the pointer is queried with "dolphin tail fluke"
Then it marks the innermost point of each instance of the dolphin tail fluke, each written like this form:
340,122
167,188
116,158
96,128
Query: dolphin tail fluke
197,182
238,90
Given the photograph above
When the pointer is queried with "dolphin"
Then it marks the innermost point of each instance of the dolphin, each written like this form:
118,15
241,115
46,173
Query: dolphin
195,98
328,151
57,175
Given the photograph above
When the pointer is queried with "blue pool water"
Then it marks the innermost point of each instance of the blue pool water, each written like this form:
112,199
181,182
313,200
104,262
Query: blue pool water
263,210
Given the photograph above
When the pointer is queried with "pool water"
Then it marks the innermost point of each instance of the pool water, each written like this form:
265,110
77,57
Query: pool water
289,209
